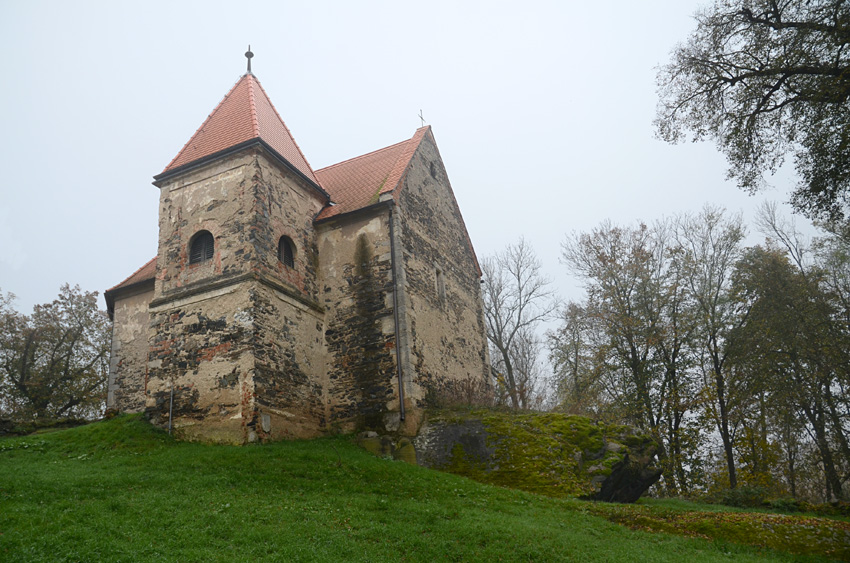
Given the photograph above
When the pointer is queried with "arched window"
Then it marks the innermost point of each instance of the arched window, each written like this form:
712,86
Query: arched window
286,251
201,248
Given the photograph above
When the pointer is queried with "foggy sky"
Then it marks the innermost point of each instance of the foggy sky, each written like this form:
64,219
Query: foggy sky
542,112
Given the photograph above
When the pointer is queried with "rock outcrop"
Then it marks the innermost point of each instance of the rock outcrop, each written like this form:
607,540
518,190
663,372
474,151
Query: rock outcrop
546,453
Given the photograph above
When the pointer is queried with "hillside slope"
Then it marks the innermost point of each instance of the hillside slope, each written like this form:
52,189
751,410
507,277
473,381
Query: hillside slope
121,490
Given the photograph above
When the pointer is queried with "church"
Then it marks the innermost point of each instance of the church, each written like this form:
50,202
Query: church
287,302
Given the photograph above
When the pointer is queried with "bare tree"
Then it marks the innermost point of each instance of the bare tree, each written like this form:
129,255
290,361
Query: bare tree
571,351
711,245
517,298
530,382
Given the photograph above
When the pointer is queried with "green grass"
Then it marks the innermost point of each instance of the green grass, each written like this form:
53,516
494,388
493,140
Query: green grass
798,534
690,505
120,490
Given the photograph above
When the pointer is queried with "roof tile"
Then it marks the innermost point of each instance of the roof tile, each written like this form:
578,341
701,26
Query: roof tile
245,113
359,182
146,272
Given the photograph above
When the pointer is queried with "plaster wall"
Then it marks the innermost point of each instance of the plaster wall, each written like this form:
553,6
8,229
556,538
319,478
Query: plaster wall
215,198
356,282
247,201
201,366
242,348
289,365
283,205
129,353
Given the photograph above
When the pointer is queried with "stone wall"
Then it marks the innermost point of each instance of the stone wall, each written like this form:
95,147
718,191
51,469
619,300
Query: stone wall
355,262
202,351
242,347
289,365
129,354
447,347
237,337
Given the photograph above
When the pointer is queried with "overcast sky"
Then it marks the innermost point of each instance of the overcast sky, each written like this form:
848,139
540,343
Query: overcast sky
542,112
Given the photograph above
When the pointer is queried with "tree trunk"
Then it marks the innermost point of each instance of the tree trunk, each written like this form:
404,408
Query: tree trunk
510,381
792,474
833,481
679,467
725,435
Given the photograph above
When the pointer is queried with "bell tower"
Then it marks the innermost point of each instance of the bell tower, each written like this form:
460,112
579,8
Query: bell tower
236,334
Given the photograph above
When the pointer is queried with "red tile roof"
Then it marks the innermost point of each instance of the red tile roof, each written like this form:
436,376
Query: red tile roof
146,272
143,274
359,182
245,114
352,184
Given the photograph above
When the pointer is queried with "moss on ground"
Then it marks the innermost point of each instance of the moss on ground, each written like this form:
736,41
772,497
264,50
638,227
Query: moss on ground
799,535
547,453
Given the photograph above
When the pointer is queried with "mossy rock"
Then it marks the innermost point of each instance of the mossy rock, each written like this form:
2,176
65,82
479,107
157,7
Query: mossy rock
547,453
405,451
387,446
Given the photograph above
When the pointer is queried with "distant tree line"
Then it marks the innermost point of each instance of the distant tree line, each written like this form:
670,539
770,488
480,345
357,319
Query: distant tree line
736,359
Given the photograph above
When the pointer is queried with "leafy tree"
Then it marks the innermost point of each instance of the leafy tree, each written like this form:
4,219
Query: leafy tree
616,264
767,79
637,318
824,269
688,335
54,363
517,298
799,354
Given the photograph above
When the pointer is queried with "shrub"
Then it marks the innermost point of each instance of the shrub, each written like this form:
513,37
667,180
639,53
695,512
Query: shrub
744,497
788,505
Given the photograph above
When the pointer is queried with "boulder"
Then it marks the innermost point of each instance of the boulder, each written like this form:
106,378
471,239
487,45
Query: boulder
547,453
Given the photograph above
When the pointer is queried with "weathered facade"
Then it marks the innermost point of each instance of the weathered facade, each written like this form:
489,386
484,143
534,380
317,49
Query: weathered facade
286,302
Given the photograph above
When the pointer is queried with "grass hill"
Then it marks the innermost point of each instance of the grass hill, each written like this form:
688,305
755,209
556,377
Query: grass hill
121,490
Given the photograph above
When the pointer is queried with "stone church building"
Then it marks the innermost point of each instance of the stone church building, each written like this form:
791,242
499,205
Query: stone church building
287,302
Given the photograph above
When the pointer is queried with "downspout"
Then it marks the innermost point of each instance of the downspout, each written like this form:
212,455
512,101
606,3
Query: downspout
171,404
110,375
393,266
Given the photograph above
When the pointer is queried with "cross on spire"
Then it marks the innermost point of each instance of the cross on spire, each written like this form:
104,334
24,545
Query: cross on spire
420,117
249,55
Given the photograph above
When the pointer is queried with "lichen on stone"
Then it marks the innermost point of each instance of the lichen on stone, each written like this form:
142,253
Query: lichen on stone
547,453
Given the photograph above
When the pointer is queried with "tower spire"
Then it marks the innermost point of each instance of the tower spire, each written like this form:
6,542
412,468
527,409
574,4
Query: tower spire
249,55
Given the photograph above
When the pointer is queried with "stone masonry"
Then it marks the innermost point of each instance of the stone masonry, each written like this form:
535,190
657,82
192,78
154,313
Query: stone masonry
381,301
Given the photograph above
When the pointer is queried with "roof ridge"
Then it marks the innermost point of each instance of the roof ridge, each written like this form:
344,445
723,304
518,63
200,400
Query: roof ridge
252,105
397,172
363,155
207,120
286,127
145,265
